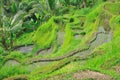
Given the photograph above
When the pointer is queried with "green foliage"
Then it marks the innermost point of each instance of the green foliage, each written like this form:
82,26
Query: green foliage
46,34
114,9
25,39
16,55
2,50
12,70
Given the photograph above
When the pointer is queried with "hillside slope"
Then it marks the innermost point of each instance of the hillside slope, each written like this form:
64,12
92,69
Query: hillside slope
80,45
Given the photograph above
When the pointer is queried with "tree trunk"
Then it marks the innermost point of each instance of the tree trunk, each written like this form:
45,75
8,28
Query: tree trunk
11,41
84,3
4,43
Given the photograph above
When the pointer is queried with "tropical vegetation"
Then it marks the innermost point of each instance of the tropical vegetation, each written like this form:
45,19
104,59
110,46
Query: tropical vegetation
59,40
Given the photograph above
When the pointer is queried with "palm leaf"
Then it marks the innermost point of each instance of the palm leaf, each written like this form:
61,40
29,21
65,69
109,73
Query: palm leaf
17,26
17,17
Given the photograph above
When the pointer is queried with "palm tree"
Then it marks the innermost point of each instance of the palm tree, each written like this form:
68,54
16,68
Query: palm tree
12,22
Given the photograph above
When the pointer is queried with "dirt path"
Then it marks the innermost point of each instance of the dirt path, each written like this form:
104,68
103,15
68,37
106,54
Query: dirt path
117,69
19,77
60,37
91,75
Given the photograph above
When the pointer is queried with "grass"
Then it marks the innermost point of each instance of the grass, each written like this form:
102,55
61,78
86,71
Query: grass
12,70
24,39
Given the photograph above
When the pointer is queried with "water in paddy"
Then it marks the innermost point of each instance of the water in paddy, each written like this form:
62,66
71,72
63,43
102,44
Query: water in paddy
11,63
60,37
25,49
101,39
28,49
34,66
29,67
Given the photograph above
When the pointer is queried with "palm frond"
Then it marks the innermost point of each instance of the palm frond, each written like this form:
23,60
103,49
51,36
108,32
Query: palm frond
17,17
17,26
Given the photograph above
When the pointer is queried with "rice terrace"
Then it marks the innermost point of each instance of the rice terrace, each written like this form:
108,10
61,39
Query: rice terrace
60,40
